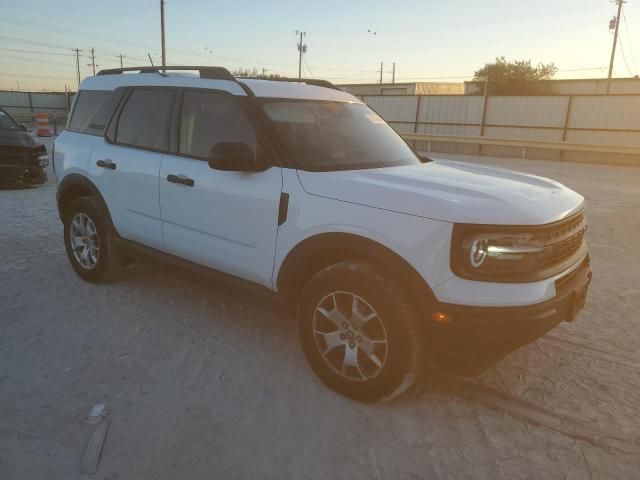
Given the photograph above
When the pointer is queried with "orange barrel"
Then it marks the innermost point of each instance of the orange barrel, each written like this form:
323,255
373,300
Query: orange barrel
42,124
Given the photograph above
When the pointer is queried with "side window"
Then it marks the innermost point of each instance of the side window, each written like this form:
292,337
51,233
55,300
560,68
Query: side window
100,119
87,104
209,118
145,119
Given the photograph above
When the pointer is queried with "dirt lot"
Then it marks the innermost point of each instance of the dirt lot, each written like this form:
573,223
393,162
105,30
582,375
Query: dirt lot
201,381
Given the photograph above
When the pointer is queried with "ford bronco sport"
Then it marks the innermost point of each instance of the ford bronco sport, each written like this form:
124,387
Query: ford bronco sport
387,260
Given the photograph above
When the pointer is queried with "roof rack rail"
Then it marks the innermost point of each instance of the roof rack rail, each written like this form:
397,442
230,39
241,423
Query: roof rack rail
309,81
213,73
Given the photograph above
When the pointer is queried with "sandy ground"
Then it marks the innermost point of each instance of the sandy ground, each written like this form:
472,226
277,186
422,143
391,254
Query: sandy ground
203,382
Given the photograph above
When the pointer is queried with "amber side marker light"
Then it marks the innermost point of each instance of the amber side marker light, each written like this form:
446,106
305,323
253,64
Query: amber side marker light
442,317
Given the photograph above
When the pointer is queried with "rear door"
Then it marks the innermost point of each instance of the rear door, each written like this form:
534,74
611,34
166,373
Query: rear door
126,166
221,219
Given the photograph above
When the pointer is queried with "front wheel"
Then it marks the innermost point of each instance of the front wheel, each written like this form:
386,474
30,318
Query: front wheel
360,332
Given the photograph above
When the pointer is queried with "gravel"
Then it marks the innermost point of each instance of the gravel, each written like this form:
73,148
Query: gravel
202,381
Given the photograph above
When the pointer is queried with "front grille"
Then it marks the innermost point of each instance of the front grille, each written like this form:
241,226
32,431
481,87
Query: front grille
561,239
18,157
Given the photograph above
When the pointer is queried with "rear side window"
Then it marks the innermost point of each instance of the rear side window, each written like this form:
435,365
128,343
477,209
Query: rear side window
86,106
145,119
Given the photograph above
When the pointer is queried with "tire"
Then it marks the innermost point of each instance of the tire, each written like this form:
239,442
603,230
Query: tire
85,216
382,370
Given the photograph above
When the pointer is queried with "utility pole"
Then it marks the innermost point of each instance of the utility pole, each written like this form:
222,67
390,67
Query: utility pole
381,70
121,57
93,61
393,73
164,50
302,49
78,64
615,43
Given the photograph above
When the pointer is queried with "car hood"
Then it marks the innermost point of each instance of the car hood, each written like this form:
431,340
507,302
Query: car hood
450,191
17,138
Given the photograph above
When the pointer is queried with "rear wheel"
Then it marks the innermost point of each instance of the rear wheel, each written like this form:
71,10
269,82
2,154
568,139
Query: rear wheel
88,241
360,332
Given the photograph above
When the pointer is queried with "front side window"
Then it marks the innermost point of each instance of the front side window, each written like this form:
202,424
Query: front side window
209,118
86,106
325,135
145,119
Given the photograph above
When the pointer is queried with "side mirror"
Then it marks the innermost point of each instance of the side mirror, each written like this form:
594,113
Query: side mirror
232,157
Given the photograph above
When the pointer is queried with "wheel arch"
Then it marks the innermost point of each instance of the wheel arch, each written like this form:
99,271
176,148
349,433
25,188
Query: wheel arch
74,186
319,251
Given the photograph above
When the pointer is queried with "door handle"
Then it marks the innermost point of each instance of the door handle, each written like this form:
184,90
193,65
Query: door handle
181,179
106,163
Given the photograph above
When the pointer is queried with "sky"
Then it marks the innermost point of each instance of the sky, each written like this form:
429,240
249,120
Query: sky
428,40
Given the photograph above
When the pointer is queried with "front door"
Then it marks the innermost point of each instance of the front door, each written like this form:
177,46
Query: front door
221,219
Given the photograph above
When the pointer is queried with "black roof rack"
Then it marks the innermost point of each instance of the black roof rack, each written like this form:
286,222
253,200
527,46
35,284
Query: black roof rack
214,73
309,81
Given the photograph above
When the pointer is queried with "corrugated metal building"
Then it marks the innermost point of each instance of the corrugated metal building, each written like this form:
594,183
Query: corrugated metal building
408,88
577,86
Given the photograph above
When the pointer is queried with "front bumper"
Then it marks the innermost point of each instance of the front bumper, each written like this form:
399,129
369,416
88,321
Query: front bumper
15,176
23,166
475,338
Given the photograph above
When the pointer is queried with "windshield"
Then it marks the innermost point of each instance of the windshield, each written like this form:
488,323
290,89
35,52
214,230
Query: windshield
6,122
322,135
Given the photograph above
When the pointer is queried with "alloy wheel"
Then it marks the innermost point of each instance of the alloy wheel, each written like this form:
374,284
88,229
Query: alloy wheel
350,336
84,240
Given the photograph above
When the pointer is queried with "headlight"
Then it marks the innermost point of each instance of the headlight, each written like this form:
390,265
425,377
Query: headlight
494,256
43,159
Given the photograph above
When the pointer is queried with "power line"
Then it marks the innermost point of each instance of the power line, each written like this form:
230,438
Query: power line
624,59
74,9
32,60
58,46
626,27
40,26
37,52
127,14
308,67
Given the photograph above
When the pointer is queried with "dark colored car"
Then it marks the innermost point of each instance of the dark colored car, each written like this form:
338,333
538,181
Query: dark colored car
22,159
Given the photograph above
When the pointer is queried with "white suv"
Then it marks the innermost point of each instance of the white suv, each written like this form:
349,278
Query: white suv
387,260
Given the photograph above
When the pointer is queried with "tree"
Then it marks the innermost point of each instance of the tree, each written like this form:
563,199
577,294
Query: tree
253,73
518,77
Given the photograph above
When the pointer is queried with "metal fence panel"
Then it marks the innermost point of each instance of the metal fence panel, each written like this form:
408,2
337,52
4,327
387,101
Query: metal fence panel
48,101
527,111
606,112
14,99
394,108
450,109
